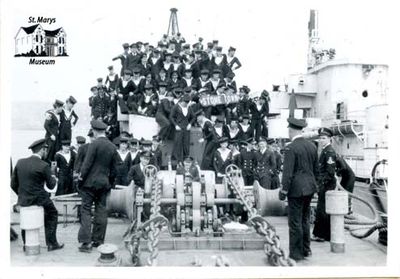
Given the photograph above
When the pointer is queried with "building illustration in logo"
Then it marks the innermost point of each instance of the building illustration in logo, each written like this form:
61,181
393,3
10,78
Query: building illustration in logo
35,41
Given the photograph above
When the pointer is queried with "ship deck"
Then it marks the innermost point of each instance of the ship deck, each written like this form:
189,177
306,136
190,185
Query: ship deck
359,252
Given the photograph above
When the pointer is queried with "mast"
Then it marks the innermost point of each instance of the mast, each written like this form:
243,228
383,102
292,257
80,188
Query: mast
173,27
313,38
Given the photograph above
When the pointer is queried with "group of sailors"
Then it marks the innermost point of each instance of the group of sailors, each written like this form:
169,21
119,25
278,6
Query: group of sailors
233,134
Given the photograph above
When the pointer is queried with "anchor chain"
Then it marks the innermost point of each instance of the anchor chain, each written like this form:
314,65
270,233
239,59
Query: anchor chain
156,222
272,247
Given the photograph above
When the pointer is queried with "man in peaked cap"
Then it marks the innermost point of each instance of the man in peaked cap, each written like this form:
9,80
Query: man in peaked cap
300,169
27,182
96,178
327,181
136,172
182,119
51,125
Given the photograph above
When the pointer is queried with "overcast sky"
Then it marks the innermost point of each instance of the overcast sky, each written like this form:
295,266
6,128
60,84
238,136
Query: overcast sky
270,37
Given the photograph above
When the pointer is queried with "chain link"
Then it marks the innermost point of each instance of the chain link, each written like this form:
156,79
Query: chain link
275,254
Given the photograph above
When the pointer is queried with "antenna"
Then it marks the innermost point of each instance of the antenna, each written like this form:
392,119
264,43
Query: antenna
313,38
173,23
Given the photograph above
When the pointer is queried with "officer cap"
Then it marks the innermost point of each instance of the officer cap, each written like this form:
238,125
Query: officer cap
98,125
145,142
145,154
128,72
148,86
38,143
186,98
124,139
188,160
58,103
325,132
232,49
162,84
90,133
136,70
217,71
219,48
296,124
125,46
66,142
223,139
110,67
220,119
72,100
100,79
133,141
80,139
205,72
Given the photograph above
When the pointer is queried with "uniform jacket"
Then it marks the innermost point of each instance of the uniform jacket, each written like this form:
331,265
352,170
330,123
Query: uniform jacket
178,119
51,124
300,168
125,90
123,168
80,157
265,163
28,180
99,167
219,163
327,168
247,161
111,82
137,176
100,106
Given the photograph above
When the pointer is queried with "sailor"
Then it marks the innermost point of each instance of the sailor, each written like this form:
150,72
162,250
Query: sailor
80,141
144,66
187,79
348,178
162,90
243,107
246,127
189,170
326,182
209,137
68,119
147,146
96,179
94,92
162,116
219,61
147,80
300,168
259,110
204,81
65,160
112,123
246,162
101,85
82,150
100,104
167,64
125,161
124,57
230,82
27,182
215,80
155,62
162,78
222,158
182,119
265,164
234,131
232,61
111,79
51,125
134,149
134,57
273,147
156,150
136,173
174,82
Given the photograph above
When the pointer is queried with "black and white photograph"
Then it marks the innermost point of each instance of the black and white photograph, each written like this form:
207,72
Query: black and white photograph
224,139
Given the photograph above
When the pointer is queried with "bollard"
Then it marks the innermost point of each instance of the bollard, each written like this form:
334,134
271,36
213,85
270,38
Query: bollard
31,220
107,257
336,204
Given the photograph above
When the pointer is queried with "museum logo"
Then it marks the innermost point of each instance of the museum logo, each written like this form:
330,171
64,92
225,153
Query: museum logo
36,42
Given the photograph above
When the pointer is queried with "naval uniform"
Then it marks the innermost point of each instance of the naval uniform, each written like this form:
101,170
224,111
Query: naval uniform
246,162
136,174
222,159
67,120
257,118
123,167
27,182
97,176
181,117
210,138
327,181
300,168
65,165
51,125
162,118
265,167
100,106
